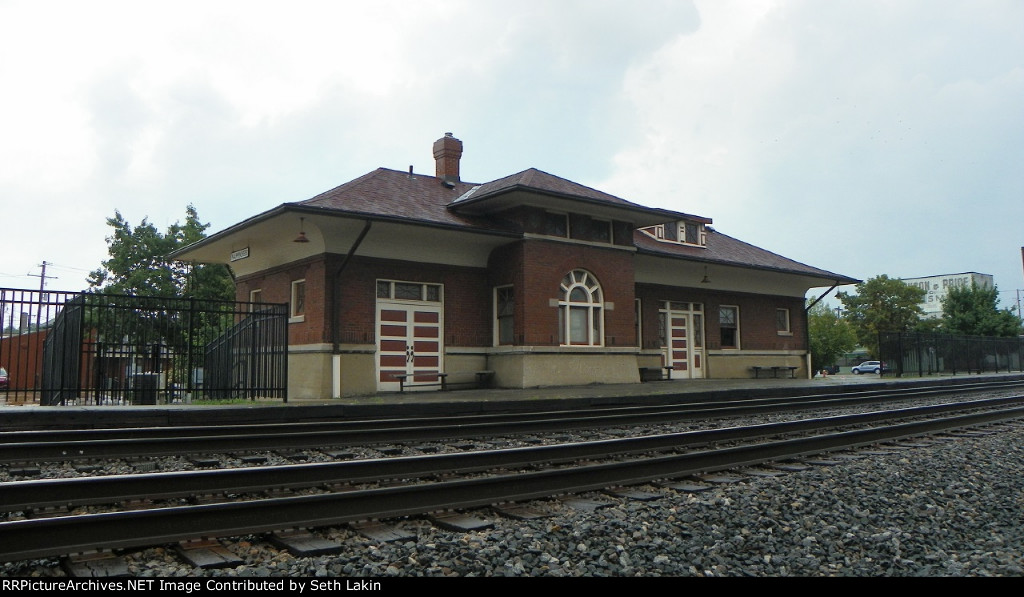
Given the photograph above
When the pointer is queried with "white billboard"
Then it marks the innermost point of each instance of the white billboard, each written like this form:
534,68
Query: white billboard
936,288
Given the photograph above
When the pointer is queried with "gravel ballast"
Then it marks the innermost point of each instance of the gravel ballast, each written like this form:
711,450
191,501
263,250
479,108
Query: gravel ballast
952,508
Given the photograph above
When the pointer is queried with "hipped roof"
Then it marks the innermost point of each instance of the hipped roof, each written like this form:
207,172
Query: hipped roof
418,199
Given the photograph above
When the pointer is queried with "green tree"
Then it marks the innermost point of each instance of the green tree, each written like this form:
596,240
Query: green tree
138,263
974,311
882,304
831,336
156,329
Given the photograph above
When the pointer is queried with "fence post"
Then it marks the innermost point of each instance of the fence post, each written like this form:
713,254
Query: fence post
920,368
190,334
900,353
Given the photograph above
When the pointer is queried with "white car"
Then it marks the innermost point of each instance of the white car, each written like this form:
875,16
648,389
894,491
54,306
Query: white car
869,367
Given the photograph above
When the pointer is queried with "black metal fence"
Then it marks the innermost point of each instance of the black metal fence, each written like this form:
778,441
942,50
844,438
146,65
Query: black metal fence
919,353
91,348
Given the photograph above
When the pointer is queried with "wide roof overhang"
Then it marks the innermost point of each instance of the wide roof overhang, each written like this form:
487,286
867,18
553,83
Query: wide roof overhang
267,240
710,274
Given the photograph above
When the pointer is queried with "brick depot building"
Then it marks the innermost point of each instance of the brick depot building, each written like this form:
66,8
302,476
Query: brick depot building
540,280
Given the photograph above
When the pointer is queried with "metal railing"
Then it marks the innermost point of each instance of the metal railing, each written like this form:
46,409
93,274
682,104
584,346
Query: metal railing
922,353
61,348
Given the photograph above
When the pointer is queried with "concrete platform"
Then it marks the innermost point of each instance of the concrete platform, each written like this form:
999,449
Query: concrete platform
433,402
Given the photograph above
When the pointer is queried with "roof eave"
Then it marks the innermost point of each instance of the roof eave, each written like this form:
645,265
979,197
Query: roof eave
303,209
838,279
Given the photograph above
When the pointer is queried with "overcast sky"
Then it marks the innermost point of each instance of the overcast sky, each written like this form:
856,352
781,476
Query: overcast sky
863,137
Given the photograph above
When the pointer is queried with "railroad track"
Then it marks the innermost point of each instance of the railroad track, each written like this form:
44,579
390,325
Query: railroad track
34,538
89,444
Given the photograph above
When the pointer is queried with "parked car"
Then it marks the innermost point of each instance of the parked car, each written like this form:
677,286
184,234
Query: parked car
3,379
870,367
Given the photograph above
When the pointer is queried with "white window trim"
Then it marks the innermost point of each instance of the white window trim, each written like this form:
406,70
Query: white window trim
565,307
255,297
657,232
736,309
297,317
496,321
423,291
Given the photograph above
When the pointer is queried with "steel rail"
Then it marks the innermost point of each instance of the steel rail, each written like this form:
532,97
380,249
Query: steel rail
682,408
78,491
177,441
27,539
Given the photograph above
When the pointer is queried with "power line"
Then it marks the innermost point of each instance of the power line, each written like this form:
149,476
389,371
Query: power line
42,276
68,267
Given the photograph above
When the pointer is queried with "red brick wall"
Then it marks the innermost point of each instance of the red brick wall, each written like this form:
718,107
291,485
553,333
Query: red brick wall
757,316
535,268
276,287
505,267
467,299
545,264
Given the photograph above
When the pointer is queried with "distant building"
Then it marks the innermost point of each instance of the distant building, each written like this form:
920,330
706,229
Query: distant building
937,287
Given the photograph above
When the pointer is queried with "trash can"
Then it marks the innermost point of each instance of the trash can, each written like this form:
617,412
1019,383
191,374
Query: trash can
144,388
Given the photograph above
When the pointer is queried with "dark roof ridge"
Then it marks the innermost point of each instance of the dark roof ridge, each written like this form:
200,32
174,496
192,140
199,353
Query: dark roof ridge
359,180
539,180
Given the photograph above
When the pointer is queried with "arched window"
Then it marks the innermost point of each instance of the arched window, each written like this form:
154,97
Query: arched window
580,310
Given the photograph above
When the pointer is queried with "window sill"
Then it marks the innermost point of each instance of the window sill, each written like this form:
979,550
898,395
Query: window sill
297,319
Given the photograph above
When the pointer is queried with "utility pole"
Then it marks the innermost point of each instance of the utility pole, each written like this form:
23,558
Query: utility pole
42,277
43,298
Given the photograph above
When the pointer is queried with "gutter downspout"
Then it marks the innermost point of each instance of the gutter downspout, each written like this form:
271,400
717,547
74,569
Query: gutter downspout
336,312
807,327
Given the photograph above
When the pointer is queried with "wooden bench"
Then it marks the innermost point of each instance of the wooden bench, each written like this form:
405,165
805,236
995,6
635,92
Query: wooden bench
401,377
483,380
775,371
655,373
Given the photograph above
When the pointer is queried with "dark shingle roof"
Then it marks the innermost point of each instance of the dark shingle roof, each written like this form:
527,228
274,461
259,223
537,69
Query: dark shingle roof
537,181
419,198
399,195
725,249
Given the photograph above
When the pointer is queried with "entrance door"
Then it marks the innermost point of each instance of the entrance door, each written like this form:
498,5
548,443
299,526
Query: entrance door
409,343
683,343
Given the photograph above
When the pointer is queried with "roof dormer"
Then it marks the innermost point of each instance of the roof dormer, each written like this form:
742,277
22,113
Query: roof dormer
691,233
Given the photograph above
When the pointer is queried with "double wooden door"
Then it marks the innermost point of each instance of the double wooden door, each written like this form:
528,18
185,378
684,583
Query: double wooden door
409,344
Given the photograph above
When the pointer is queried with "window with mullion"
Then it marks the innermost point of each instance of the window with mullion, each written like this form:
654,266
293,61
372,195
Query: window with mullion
728,323
504,314
580,310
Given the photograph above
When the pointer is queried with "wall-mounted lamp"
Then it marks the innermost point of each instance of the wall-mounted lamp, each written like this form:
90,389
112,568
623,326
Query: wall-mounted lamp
706,279
301,238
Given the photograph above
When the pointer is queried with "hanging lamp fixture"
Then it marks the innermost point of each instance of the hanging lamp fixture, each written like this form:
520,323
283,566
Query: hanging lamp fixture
301,238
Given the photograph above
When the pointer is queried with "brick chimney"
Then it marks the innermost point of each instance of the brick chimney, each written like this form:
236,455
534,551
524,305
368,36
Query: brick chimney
447,151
